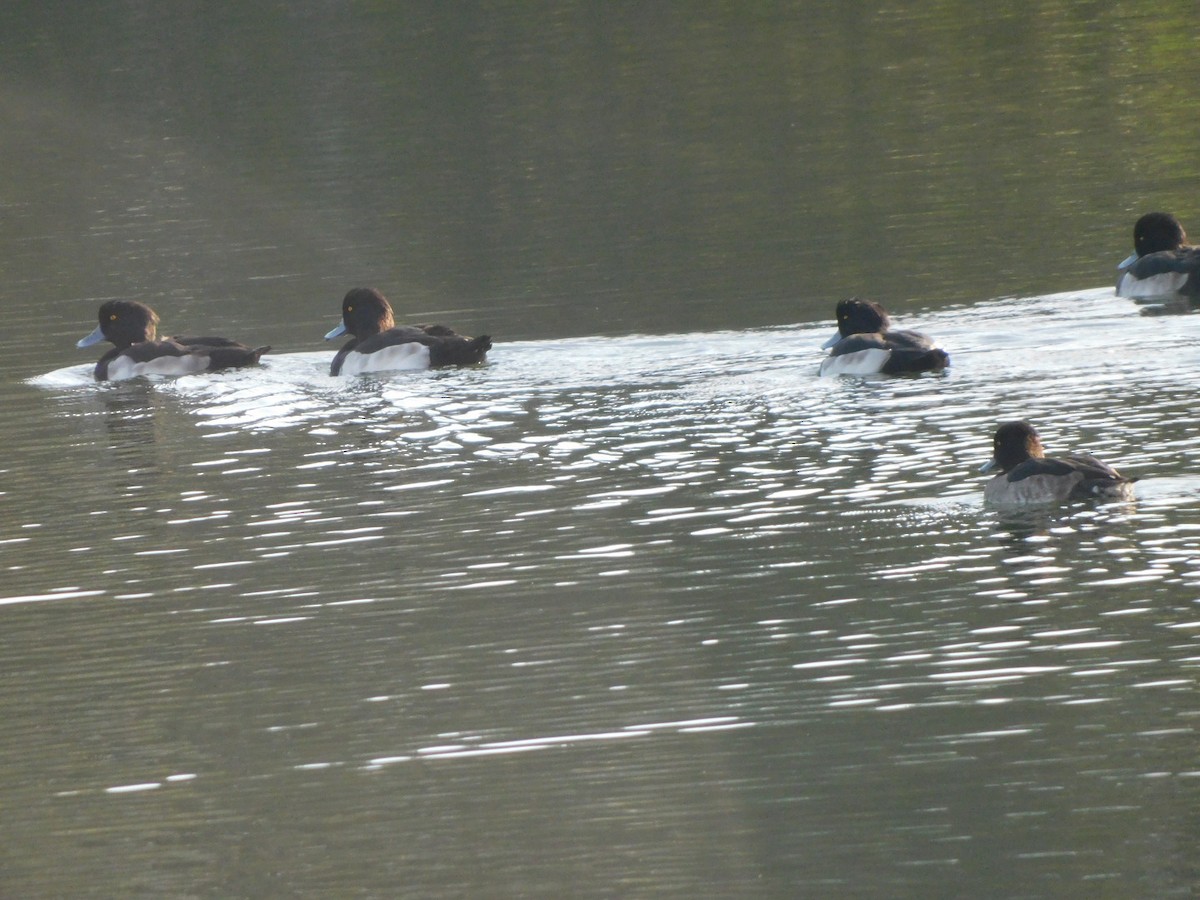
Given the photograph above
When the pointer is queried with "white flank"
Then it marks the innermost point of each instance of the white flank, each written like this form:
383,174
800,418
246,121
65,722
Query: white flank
123,367
862,362
1164,285
411,355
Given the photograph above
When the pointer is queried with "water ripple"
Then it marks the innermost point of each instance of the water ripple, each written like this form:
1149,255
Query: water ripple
692,476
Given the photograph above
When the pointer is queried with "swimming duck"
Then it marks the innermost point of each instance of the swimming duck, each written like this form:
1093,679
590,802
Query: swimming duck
865,345
1162,263
378,345
132,327
1027,475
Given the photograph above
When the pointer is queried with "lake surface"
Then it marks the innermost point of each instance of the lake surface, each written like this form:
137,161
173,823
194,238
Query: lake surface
642,607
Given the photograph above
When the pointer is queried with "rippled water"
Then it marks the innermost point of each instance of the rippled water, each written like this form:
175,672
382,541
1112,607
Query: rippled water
642,607
641,615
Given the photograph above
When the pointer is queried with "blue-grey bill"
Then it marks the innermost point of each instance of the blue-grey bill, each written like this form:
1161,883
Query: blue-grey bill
336,332
1128,261
837,336
94,338
989,466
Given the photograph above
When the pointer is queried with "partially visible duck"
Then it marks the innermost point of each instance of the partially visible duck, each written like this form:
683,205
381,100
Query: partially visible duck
132,328
1027,475
378,345
1162,264
866,345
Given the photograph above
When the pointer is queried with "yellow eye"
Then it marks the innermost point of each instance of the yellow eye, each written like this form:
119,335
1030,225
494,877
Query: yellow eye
349,309
113,317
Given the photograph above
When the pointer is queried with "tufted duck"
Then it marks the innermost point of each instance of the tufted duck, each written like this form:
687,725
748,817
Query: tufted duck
1027,475
378,345
132,328
865,345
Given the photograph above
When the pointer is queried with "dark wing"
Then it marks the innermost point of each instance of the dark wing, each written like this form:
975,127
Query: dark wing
1041,466
405,334
1099,479
1186,260
909,340
856,342
438,330
1092,467
446,346
149,350
204,342
913,352
223,353
1092,478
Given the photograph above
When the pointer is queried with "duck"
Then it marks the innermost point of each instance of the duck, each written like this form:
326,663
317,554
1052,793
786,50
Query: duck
132,328
1162,264
378,345
865,344
1028,476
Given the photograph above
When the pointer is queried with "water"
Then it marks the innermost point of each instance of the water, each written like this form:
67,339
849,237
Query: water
530,617
643,607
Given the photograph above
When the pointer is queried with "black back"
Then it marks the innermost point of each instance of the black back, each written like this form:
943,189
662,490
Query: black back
223,353
1185,260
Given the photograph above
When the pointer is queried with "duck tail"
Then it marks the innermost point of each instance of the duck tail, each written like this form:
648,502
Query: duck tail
235,357
910,361
472,350
938,359
460,351
931,361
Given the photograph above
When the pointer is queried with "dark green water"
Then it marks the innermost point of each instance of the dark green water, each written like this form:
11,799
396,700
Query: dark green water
643,607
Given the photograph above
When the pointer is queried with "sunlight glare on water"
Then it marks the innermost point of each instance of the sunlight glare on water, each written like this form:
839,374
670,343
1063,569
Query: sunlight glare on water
721,543
704,439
